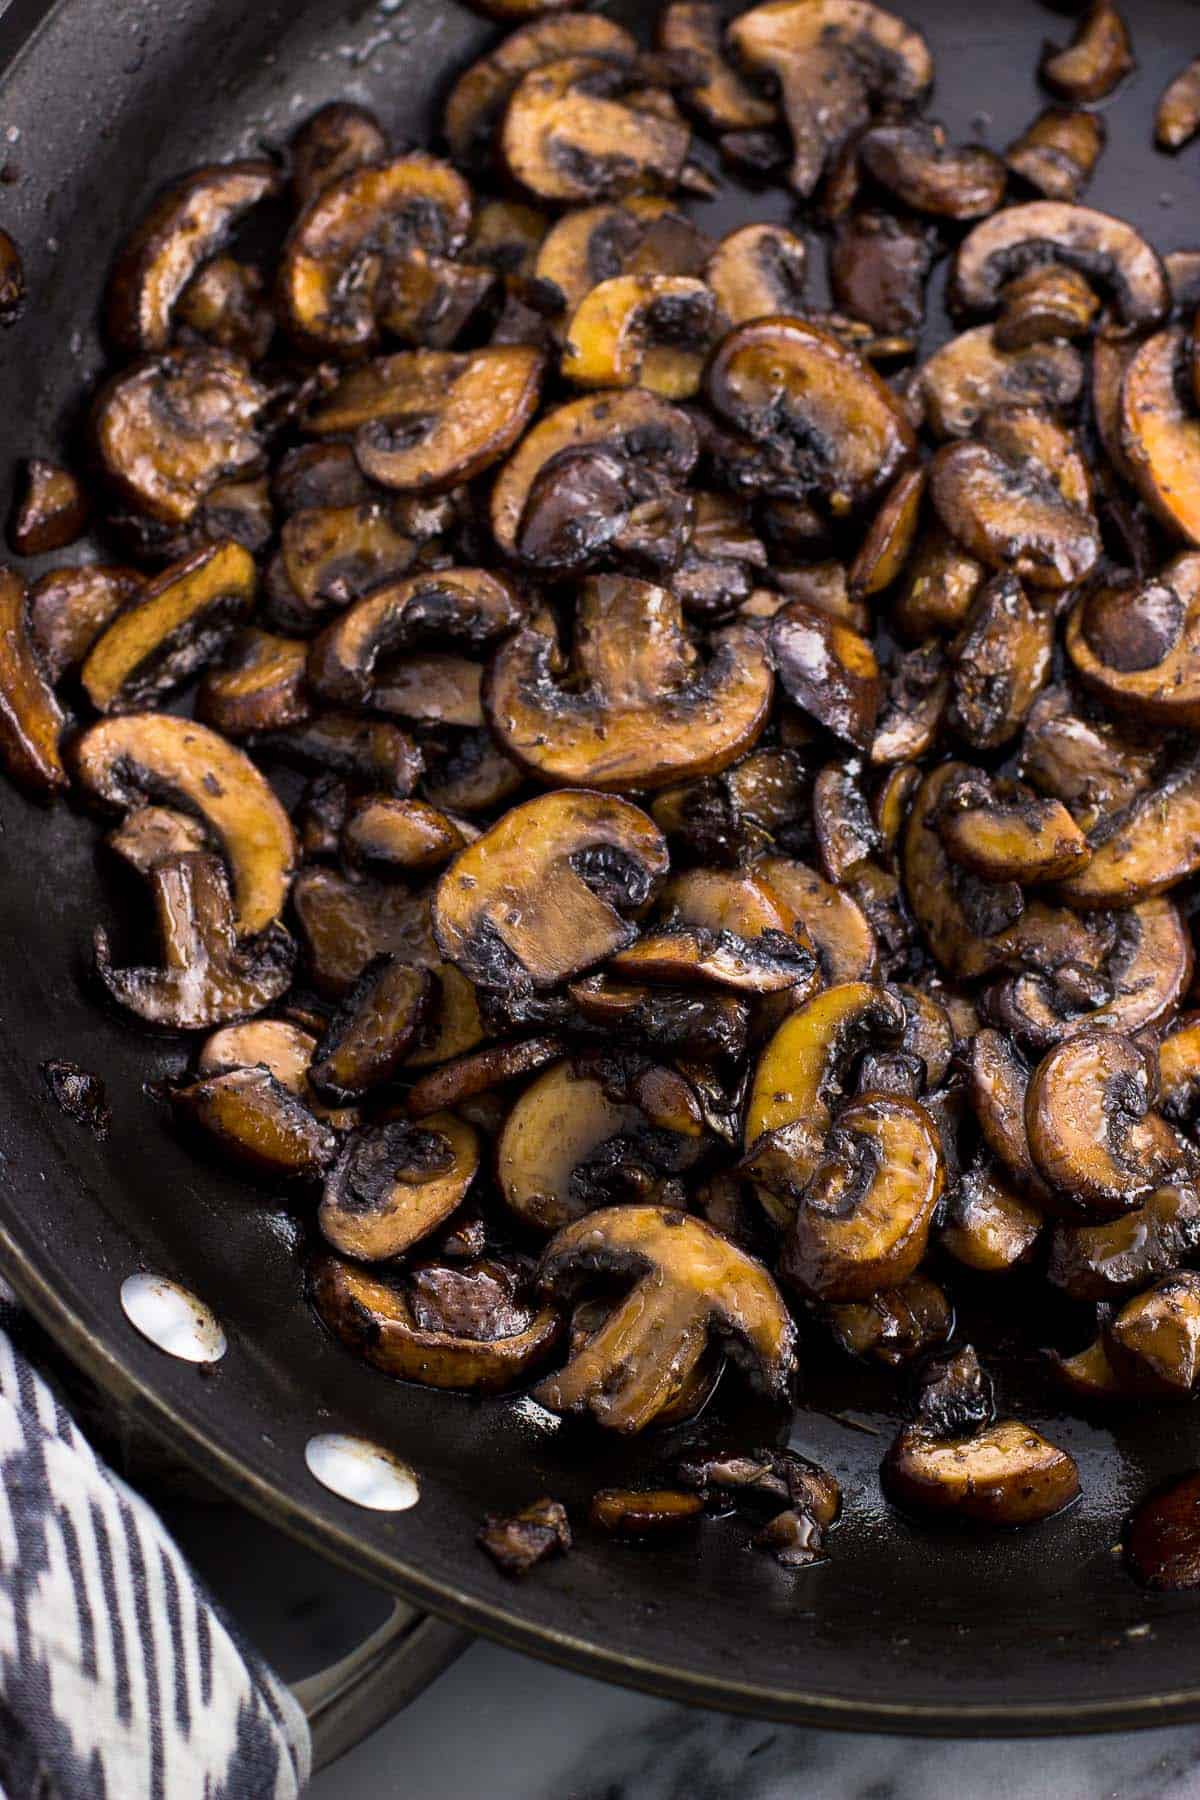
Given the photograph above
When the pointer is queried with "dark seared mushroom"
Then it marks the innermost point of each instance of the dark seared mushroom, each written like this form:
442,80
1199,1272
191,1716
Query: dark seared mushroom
758,272
125,761
1160,435
281,1047
1006,1474
1163,1542
636,709
186,227
642,235
1044,305
647,331
725,927
384,834
1179,1069
31,720
679,1021
878,267
834,922
989,1226
999,1085
225,304
1097,58
50,508
1105,249
999,663
846,834
329,555
395,1183
938,586
1058,152
832,59
916,165
346,924
334,141
965,921
1088,763
1138,644
373,1030
1117,1256
478,1072
914,706
541,895
888,544
259,687
1177,119
470,775
894,1325
721,99
374,752
972,375
258,1122
571,133
1004,832
723,557
1154,845
432,688
688,1281
207,977
69,608
1154,1341
643,1512
828,669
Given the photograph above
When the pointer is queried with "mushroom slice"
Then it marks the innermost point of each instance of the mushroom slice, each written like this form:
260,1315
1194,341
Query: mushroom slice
758,272
50,509
1179,1070
12,282
1161,1543
1006,833
703,1026
395,1183
939,586
828,669
281,1047
470,775
1148,848
1087,763
989,1227
846,834
186,227
540,896
888,544
721,561
878,267
179,623
637,709
149,834
1020,500
972,375
1058,152
469,605
378,1322
585,1134
432,688
726,927
329,555
1160,436
369,1036
895,1324
355,234
258,1123
1154,1341
260,687
334,141
689,1281
964,920
721,99
1144,975
1105,249
999,1085
916,165
644,234
1096,59
207,977
863,1220
371,751
69,608
593,478
830,420
911,717
31,720
1111,1259
832,59
1049,303
1091,1129
428,420
835,923
1138,644
225,304
169,428
384,835
572,133
647,331
479,1071
1178,117
1007,1474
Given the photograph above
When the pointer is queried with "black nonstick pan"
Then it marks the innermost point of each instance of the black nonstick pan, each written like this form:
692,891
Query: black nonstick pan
903,1630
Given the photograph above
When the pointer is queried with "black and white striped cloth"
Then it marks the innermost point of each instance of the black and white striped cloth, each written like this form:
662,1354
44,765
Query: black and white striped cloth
119,1679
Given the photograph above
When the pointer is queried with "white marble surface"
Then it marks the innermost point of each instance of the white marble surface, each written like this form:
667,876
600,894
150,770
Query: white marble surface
499,1727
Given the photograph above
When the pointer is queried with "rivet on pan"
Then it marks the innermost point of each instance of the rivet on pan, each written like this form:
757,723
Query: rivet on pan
361,1472
172,1318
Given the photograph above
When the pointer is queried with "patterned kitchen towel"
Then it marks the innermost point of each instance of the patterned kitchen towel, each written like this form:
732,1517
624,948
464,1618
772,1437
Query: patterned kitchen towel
119,1679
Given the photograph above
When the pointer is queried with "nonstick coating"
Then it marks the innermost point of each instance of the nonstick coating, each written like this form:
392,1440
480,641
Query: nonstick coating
903,1629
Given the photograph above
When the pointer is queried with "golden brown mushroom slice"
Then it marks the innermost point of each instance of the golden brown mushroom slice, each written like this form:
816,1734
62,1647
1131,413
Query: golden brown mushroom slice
1177,119
1179,1069
1138,644
259,687
352,239
1154,1341
889,541
1044,305
431,687
281,1047
1092,1130
373,752
395,1183
382,1324
836,925
911,716
169,428
31,720
334,141
587,1133
637,708
207,976
644,234
721,99
479,1071
832,59
256,1121
689,1281
149,834
386,835
330,555
1109,251
938,586
894,1325
379,1022
1110,1259
425,421
179,624
989,1226
187,226
1020,499
758,272
127,760
1098,57
225,304
1058,153
878,267
725,927
964,921
1151,846
1007,1474
1090,764
972,375
70,607
829,670
1160,436
572,134
916,165
647,331
50,508
829,418
999,1084
1007,833
542,894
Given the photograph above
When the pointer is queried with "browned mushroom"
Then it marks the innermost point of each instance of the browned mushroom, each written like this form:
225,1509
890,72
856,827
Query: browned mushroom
965,921
225,303
989,1227
916,165
721,99
1044,305
835,923
371,751
972,375
1154,1341
1138,644
688,1281
281,1047
12,282
1096,59
648,331
1117,1256
888,544
828,669
1160,436
895,1324
395,1183
1058,152
1164,1542
1105,249
479,1071
470,775
1006,1474
69,608
643,1512
1003,832
334,141
914,708
726,927
373,1030
259,687
1089,764
50,508
1178,117
258,1122
1155,843
878,267
938,586
757,272
383,835
345,925
149,834
31,720
642,235
571,132
329,555
846,834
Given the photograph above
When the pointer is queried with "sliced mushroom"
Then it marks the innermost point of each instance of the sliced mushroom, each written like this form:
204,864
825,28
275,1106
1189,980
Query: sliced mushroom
1007,1474
938,588
371,751
1020,499
1160,436
1113,1258
1097,58
1155,1339
377,1321
334,141
12,282
395,1183
703,1026
758,272
1006,833
831,60
373,1030
1162,1541
149,834
225,304
912,713
846,834
260,686
688,1281
888,544
281,1047
1087,763
723,927
830,419
642,235
126,761
1059,152
894,1325
990,1227
571,133
1138,644
973,375
31,720
643,1512
258,1122
471,776
1046,304
478,1072
721,99
50,509
540,896
69,608
964,921
1151,846
999,1079
432,688
723,557
1179,1069
835,923
329,555
384,835
1105,249
636,709
1177,119
207,977
916,165
647,331
878,267
185,228
828,669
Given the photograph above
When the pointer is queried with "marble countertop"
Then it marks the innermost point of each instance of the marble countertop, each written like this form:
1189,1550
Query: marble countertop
497,1726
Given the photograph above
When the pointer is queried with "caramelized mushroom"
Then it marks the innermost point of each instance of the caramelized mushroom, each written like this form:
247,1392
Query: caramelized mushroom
1154,1341
464,1077
50,509
1087,763
758,272
371,751
833,920
642,235
1096,59
1160,436
721,99
1138,644
647,331
1152,845
1058,152
1178,117
1112,1258
989,1227
258,1122
878,267
69,608
973,374
334,141
149,834
1006,833
329,555
643,1512
31,721
1163,1542
374,1028
916,165
828,669
384,834
938,586
1105,249
259,687
395,1183
894,1325
912,713
1046,304
723,927
345,925
965,921
1006,1474
568,135
888,544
